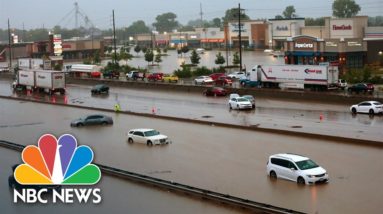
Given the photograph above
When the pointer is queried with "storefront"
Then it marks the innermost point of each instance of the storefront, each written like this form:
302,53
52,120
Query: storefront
253,34
281,29
303,50
211,37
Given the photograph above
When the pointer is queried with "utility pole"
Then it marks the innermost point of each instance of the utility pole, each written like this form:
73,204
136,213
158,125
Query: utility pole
240,37
114,41
10,46
23,33
76,14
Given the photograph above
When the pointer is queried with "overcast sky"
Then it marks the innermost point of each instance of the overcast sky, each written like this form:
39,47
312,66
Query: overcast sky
48,13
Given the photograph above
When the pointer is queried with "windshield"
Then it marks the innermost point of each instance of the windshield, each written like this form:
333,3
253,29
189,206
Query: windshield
377,103
151,133
306,164
248,97
242,100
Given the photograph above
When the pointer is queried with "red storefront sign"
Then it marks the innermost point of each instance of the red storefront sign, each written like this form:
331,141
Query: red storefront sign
212,40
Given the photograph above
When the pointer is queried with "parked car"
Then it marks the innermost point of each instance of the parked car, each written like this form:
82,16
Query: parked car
371,107
251,99
155,77
239,103
200,51
170,78
223,80
296,168
361,87
148,136
100,88
95,74
215,91
134,75
111,74
95,119
341,83
203,80
237,75
215,76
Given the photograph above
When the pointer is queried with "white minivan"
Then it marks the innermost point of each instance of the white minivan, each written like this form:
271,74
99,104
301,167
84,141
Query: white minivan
296,168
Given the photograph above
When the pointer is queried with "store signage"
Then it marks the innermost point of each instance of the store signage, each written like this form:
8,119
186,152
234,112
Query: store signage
282,28
212,40
57,45
304,45
354,44
331,44
341,27
236,28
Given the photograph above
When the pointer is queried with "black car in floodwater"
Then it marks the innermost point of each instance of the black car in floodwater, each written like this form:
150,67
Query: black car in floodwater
99,89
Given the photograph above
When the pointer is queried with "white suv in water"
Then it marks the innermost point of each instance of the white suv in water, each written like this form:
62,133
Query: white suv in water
148,136
296,168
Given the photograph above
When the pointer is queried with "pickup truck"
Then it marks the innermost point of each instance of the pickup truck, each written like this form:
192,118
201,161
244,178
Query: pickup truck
134,75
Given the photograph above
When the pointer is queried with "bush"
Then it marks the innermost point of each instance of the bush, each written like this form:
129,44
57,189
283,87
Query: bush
185,72
202,71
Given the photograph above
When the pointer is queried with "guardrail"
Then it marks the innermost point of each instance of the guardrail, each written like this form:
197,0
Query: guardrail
254,206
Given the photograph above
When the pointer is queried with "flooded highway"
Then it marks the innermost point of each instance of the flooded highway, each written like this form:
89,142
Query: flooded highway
117,196
269,113
226,160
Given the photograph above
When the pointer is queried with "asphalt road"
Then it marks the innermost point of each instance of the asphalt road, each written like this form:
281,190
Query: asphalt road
270,113
221,159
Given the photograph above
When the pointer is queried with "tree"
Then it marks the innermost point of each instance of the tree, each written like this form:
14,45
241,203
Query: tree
220,60
185,49
345,8
149,56
236,58
232,15
314,22
158,58
165,50
375,21
194,58
289,12
278,17
216,22
158,51
137,49
125,55
166,22
138,27
144,49
96,58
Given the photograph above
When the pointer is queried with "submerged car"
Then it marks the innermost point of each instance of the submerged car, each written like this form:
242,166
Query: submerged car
95,119
240,103
296,168
147,136
100,88
370,107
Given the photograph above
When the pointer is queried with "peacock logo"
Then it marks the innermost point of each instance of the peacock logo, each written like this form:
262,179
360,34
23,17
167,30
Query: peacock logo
57,162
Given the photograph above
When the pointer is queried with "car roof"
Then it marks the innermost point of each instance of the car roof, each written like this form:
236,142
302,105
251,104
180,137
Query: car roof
292,157
141,130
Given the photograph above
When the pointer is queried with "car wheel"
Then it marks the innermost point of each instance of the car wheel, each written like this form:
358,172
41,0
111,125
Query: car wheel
195,82
149,143
237,106
353,110
301,181
273,175
230,106
104,123
371,111
130,140
79,124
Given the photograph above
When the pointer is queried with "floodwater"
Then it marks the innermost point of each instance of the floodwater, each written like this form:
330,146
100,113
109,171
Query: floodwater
269,113
118,196
226,160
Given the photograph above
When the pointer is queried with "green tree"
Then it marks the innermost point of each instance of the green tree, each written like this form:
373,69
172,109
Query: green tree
236,58
278,17
166,22
314,22
220,60
96,57
289,12
149,56
158,51
345,8
137,49
194,58
125,55
165,50
158,58
216,22
232,15
144,49
138,27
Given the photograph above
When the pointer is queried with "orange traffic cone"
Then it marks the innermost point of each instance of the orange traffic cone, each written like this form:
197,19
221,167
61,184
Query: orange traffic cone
153,110
321,117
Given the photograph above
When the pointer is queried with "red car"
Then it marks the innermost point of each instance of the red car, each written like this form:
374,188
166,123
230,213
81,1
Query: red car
216,75
223,80
215,91
155,76
370,87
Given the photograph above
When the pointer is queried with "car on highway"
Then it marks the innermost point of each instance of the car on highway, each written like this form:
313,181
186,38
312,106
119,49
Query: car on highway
341,83
361,87
200,51
111,74
203,80
149,137
239,103
370,107
94,119
251,99
296,168
236,75
223,81
99,89
170,78
215,76
215,91
155,77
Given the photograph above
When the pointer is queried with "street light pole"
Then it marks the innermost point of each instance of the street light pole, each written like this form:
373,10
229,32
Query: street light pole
114,42
240,37
9,46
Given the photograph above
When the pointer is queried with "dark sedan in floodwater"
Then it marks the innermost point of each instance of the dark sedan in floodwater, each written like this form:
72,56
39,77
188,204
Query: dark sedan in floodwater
96,119
100,88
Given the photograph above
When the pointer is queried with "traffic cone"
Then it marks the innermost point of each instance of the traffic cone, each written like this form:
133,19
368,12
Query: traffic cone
153,110
321,117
